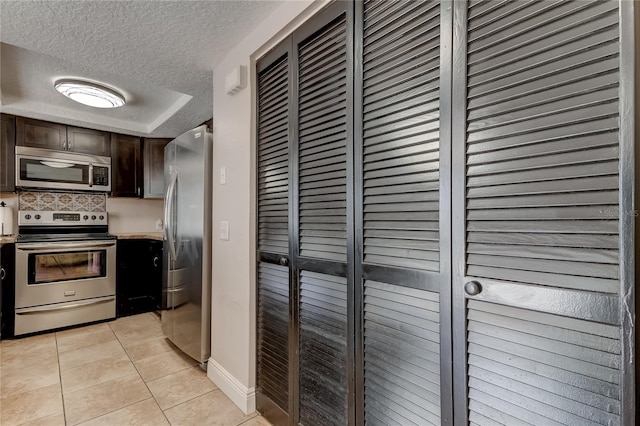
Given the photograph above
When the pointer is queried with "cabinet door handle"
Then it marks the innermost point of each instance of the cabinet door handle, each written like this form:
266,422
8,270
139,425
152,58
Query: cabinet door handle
155,261
138,191
472,288
64,145
3,273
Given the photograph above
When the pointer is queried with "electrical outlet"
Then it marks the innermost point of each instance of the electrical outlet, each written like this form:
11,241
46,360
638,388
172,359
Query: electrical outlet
224,230
159,225
223,175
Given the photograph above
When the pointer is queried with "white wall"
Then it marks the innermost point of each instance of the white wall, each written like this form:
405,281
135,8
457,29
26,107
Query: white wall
11,200
134,215
233,292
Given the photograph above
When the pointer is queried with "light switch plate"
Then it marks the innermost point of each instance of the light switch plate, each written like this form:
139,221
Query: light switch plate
224,230
223,175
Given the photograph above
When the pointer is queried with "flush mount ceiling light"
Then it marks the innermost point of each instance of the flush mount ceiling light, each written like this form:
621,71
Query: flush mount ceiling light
90,94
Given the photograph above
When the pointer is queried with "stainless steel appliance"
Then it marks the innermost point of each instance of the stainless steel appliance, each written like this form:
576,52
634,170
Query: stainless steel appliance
187,243
65,270
47,169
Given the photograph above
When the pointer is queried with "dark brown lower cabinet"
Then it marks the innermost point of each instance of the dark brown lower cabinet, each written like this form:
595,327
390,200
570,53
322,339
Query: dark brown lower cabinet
446,215
138,276
7,290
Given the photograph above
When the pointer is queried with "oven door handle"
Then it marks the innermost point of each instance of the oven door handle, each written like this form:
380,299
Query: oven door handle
62,246
37,310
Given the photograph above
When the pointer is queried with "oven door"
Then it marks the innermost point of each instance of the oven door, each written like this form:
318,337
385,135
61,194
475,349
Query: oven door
49,272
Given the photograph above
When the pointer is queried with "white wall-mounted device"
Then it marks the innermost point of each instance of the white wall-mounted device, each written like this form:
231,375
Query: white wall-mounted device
236,80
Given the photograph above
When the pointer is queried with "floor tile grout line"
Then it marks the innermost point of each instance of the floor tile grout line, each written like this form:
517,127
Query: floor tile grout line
27,391
153,396
112,411
190,399
87,346
99,384
64,410
134,366
41,387
137,372
140,375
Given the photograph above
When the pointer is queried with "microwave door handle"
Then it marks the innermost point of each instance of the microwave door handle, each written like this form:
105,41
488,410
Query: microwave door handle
90,174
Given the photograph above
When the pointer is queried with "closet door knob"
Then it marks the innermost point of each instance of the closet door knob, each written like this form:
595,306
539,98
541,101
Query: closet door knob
284,261
472,288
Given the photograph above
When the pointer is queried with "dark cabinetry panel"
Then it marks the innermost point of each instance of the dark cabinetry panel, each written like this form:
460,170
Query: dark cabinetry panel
7,153
154,167
126,166
7,282
43,134
40,134
138,276
87,141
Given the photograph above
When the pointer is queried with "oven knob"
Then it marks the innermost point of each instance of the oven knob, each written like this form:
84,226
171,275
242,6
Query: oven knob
37,216
85,217
93,217
27,216
101,217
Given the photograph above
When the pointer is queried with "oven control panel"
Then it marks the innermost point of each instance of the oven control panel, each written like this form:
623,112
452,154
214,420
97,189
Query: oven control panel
49,218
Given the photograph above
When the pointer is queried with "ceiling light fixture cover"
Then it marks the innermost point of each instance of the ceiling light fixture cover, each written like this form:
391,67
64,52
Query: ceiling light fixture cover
90,94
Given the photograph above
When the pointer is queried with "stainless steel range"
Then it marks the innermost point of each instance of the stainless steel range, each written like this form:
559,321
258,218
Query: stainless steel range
65,270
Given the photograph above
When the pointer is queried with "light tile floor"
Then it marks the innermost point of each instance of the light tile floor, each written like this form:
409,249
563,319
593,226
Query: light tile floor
122,372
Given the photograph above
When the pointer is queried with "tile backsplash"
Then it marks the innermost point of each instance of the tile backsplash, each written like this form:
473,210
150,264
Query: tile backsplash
62,201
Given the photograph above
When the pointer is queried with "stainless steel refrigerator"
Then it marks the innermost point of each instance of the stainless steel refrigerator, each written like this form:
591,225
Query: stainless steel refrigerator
186,313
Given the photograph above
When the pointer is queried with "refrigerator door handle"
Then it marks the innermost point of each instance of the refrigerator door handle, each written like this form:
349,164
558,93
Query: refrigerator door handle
168,218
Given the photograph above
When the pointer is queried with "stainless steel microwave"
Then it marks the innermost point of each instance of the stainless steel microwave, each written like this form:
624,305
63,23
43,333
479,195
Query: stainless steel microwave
47,169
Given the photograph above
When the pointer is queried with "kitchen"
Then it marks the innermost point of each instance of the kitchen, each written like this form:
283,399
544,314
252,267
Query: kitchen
422,212
83,204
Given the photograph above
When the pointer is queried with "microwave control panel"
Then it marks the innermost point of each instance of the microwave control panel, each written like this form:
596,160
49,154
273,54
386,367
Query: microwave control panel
100,175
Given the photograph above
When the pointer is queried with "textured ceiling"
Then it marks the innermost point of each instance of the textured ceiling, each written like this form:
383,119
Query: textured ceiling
159,53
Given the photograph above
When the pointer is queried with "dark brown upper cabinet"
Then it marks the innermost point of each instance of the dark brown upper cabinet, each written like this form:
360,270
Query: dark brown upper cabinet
7,153
154,167
87,141
40,134
126,166
43,134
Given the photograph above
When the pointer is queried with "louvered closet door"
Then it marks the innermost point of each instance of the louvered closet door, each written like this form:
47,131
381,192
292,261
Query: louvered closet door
403,221
323,144
536,205
272,326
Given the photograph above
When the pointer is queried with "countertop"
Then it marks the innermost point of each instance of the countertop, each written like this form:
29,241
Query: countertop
7,239
139,236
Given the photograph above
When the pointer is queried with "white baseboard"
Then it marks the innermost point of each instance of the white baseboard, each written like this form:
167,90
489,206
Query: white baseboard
243,397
